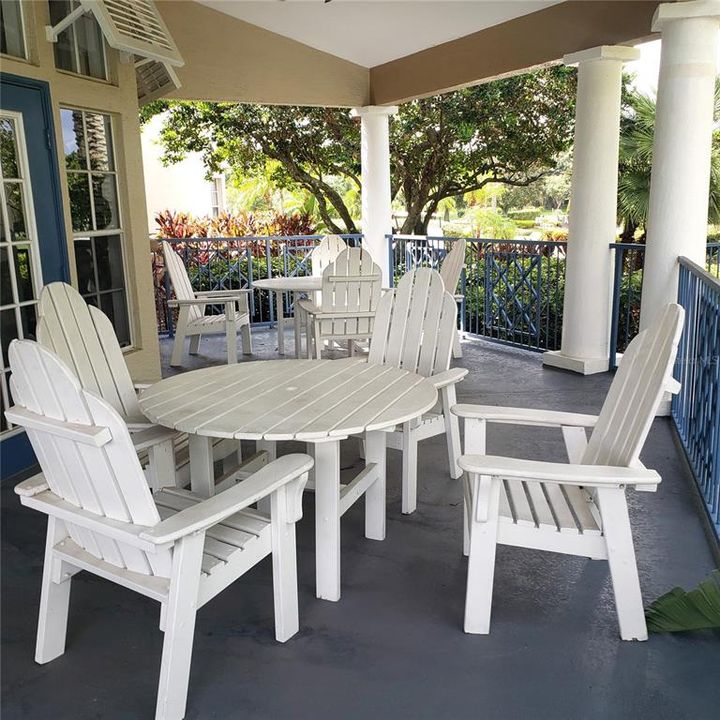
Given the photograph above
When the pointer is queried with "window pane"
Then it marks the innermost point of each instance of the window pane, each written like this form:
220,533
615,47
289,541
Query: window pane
99,139
108,256
90,47
85,266
6,295
16,212
11,29
106,205
23,273
29,321
8,151
8,332
73,131
65,45
80,209
114,306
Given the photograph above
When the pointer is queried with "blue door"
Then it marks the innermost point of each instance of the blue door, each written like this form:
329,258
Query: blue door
33,248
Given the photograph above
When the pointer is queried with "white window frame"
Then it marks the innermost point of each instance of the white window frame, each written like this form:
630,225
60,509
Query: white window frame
24,168
120,230
74,5
23,34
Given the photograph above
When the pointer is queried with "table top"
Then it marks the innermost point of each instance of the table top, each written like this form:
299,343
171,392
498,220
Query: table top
306,400
305,283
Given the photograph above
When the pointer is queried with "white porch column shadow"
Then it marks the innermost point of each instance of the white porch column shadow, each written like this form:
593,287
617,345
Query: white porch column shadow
375,179
678,212
593,210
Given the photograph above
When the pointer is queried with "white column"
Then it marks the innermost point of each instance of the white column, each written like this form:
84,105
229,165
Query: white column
678,213
375,178
593,210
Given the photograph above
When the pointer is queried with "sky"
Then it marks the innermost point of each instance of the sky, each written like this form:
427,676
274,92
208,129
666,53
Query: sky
647,67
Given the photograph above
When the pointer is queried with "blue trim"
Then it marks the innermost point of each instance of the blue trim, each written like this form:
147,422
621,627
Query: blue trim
32,99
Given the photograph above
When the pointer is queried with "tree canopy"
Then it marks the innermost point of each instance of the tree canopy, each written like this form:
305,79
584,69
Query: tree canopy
509,131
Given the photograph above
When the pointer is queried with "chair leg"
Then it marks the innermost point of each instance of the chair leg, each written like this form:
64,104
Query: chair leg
246,338
457,347
452,430
195,344
409,469
54,599
284,565
317,341
623,567
179,628
481,561
178,345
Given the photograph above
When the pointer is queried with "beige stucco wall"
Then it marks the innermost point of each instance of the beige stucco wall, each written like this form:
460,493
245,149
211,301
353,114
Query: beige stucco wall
229,59
119,98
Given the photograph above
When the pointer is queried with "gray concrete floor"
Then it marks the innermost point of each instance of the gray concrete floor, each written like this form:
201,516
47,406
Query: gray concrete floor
393,647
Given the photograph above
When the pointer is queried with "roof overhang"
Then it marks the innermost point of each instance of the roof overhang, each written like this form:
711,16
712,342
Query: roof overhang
230,59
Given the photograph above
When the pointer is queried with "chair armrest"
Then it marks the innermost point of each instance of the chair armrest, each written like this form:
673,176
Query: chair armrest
459,297
219,507
32,486
143,385
525,416
562,473
308,306
84,434
145,439
227,294
448,377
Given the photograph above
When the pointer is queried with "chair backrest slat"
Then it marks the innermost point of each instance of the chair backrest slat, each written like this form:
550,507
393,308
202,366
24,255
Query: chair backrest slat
641,381
351,283
414,326
84,338
108,480
179,278
452,266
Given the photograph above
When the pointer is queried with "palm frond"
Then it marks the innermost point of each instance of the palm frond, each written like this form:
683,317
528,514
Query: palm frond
680,610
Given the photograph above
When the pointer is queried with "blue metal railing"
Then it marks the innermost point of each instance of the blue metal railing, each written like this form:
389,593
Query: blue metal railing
512,289
233,263
696,409
629,260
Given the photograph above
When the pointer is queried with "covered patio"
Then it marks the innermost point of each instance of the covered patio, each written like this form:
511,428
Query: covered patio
393,647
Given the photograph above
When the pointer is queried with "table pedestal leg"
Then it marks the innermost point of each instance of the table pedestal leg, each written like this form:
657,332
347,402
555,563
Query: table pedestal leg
280,322
375,452
270,447
296,323
202,472
327,520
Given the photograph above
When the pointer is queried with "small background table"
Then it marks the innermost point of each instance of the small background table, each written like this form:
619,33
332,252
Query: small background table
297,286
319,402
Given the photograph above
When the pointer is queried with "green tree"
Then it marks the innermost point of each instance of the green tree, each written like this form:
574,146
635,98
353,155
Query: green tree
509,131
637,130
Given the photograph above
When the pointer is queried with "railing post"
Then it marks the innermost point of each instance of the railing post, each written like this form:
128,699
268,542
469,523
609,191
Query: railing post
169,321
619,253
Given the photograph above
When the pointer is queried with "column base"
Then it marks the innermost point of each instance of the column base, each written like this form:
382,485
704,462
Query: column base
584,366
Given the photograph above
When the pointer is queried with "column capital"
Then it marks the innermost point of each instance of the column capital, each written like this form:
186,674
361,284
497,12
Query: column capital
369,110
668,12
622,53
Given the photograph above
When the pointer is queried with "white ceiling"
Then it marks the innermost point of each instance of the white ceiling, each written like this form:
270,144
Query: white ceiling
372,32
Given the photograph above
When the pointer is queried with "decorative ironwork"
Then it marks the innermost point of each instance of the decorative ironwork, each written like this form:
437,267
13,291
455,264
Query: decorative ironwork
696,409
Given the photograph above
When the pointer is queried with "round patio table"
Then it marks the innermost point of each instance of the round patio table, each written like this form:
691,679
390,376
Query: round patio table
319,402
297,286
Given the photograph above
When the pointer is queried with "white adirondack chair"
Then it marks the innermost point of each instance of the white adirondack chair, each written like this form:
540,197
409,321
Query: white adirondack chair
193,323
171,547
349,298
577,508
450,271
414,329
84,339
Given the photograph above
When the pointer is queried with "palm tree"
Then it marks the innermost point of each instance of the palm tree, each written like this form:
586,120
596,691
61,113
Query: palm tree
637,129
